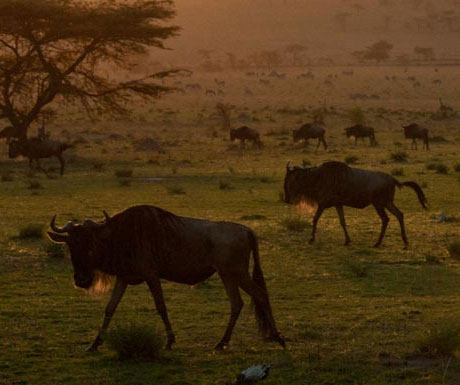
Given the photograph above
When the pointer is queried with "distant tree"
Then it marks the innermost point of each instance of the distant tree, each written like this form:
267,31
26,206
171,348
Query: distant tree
271,59
55,50
297,52
358,8
341,20
224,111
424,53
232,61
379,51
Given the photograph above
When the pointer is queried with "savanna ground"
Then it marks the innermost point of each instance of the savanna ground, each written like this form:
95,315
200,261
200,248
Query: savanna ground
353,315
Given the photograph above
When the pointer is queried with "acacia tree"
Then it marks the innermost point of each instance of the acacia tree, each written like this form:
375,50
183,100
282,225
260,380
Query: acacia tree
59,50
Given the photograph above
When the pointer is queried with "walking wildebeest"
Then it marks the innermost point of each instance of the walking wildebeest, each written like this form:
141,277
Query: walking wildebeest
35,148
334,184
244,133
310,131
361,131
414,131
146,244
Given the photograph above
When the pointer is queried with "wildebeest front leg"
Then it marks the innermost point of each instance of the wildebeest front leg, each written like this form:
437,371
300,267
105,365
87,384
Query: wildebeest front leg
384,217
400,216
117,294
62,162
318,213
236,304
157,293
343,223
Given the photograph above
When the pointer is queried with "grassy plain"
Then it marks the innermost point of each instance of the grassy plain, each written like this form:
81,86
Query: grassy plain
353,315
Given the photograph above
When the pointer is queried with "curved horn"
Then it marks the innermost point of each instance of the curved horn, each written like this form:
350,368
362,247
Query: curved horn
106,215
288,165
60,230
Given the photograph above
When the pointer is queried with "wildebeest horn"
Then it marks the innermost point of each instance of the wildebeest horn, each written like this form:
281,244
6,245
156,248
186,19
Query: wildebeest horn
106,215
68,227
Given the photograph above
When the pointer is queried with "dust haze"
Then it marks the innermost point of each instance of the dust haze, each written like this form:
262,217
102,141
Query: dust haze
329,30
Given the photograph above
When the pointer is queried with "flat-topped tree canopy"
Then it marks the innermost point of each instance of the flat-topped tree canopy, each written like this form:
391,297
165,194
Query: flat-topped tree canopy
52,48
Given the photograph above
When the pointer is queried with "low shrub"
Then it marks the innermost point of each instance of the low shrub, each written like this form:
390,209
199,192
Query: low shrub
34,185
295,223
399,156
454,249
135,342
31,231
175,190
124,173
397,171
442,341
351,159
225,185
55,250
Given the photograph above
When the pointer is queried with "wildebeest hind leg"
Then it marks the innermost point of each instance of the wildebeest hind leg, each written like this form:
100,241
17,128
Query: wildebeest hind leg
318,213
400,216
154,285
236,304
115,299
384,217
343,223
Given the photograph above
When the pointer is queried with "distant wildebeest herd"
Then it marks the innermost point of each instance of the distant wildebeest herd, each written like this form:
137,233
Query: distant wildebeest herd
316,130
43,147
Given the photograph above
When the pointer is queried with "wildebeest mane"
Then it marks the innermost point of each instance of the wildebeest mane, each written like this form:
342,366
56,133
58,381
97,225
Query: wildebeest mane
141,238
325,179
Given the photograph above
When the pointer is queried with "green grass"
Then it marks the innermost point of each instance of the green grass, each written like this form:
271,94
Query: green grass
340,318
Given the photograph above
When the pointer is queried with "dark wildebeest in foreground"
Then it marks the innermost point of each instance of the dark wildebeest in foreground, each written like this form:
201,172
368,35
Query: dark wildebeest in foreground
415,131
244,133
361,131
147,244
310,131
36,149
334,184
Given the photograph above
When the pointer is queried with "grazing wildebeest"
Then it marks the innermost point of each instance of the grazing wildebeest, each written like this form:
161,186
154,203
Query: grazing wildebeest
8,133
361,131
147,244
244,133
35,148
310,131
334,184
415,131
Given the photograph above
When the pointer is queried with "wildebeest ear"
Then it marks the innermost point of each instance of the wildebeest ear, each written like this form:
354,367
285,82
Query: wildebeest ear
58,238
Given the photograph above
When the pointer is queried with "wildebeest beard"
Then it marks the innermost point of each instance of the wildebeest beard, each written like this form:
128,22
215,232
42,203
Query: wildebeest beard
101,284
307,204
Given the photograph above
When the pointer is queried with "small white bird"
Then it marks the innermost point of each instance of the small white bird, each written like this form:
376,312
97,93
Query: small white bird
253,374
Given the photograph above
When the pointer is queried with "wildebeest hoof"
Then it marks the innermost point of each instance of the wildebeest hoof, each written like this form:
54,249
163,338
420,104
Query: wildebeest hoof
221,346
92,348
347,243
377,245
311,241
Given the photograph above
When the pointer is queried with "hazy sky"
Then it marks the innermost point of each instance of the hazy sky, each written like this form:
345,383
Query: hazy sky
244,26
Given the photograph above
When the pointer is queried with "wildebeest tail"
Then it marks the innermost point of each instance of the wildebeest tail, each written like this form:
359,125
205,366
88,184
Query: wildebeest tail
262,308
421,196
